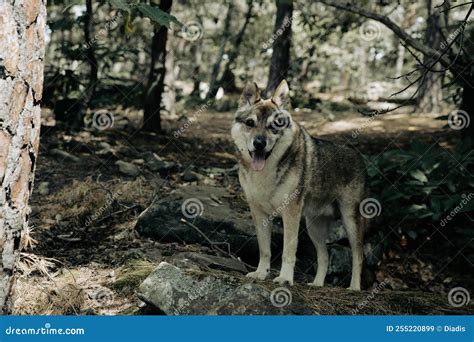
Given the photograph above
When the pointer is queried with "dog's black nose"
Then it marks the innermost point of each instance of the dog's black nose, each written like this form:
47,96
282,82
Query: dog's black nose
260,142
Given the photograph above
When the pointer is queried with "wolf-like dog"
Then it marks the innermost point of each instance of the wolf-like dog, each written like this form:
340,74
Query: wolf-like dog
285,171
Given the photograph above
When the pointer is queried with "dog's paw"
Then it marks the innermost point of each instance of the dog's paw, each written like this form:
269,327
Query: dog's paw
316,284
258,275
283,280
354,288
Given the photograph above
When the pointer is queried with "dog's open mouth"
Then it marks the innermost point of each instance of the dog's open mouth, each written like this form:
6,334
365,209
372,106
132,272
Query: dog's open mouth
258,159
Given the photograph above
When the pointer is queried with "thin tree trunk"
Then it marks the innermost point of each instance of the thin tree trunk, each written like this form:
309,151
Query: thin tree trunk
21,84
196,69
213,83
431,94
227,80
280,62
400,62
78,119
156,79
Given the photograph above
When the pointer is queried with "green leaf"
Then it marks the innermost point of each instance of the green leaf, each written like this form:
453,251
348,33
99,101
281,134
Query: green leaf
417,207
419,175
120,4
413,234
156,15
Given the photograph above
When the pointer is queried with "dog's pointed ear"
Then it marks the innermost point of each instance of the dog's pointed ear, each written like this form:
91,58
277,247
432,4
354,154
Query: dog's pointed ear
250,95
281,96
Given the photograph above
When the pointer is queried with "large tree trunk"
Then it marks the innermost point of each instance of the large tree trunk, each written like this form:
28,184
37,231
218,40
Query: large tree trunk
21,84
156,78
280,62
213,83
431,94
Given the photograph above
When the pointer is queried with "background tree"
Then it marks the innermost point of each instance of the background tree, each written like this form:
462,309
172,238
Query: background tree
226,33
156,77
280,62
454,54
21,85
84,103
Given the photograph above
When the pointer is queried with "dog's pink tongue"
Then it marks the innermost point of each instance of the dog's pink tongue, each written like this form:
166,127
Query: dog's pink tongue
258,161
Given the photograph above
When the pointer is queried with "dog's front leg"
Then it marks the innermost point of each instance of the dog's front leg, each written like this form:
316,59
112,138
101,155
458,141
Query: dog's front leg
291,223
264,237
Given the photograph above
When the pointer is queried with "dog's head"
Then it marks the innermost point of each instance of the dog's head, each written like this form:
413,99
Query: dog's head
262,127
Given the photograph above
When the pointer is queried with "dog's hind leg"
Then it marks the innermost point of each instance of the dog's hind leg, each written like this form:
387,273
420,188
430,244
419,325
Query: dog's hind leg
317,231
351,219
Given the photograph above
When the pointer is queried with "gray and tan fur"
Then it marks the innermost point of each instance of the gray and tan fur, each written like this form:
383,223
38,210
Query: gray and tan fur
280,160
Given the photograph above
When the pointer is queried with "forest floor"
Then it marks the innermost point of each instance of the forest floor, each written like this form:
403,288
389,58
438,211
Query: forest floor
80,268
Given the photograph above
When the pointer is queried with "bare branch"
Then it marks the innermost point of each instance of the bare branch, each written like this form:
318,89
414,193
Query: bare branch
401,33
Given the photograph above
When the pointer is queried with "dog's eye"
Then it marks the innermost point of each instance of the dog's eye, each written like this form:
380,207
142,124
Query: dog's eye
250,123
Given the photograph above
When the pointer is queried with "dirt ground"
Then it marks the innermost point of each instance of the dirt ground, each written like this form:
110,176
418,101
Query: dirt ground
70,267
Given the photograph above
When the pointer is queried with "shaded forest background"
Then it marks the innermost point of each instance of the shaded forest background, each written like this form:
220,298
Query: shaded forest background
137,105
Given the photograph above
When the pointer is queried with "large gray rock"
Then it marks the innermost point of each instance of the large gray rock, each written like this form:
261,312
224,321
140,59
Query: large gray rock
195,291
209,218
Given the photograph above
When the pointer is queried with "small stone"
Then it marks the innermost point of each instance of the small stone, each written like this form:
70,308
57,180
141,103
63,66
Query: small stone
105,146
43,188
64,155
128,169
190,176
138,162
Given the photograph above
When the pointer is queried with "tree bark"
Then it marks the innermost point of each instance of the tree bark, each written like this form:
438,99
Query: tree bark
156,78
431,94
22,28
280,62
213,83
